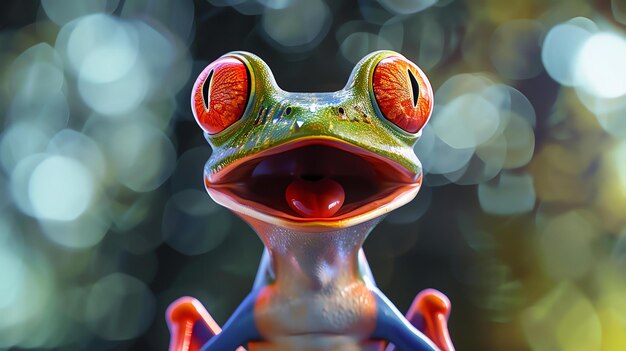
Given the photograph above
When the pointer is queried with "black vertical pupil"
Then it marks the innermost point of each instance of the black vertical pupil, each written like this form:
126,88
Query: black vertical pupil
205,90
415,88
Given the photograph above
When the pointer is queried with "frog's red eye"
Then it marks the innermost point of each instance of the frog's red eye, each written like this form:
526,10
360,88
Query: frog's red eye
403,93
220,94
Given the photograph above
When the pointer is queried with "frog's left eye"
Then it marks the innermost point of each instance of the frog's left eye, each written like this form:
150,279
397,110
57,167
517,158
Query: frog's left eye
220,94
403,93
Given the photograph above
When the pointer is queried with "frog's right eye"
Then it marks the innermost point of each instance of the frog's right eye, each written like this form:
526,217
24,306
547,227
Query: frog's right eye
220,94
403,93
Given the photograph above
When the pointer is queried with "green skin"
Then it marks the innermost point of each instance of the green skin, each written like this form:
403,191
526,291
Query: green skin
362,123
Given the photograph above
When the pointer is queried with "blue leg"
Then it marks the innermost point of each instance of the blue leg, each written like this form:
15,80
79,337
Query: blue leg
364,270
238,330
265,273
392,326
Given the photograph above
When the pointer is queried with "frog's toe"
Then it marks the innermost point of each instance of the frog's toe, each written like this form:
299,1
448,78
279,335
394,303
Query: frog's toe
191,326
429,313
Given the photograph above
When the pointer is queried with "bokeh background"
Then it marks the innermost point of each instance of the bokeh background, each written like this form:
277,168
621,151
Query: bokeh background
104,220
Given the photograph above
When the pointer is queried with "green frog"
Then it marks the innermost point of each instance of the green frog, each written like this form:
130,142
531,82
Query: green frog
312,174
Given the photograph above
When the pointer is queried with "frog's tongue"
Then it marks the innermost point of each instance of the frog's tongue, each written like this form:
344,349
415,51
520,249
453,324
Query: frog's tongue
315,199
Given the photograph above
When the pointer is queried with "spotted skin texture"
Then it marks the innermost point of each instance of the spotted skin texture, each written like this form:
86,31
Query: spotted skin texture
395,94
314,290
228,89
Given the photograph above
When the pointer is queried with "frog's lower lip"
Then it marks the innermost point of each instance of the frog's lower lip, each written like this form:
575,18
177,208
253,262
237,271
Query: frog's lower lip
255,186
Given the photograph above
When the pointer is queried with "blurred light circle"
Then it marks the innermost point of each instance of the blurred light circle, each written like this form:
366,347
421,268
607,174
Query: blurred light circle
455,176
486,164
20,182
50,110
619,158
34,80
21,140
117,97
493,153
110,60
373,12
5,198
30,302
618,8
159,50
357,45
223,3
166,59
275,4
119,307
63,11
36,71
192,224
559,50
430,38
585,23
614,121
12,277
520,141
566,244
446,159
79,146
507,195
407,7
303,22
83,232
60,188
515,50
175,15
520,105
392,33
564,319
462,84
466,122
142,156
98,55
600,68
41,52
599,105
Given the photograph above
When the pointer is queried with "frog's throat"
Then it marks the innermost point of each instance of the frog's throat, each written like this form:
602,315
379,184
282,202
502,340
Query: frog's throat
299,261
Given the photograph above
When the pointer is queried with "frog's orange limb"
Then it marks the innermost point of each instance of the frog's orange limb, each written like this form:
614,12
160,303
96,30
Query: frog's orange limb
429,312
191,326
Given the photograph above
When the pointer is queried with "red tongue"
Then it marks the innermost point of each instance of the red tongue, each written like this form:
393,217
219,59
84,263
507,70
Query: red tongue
321,198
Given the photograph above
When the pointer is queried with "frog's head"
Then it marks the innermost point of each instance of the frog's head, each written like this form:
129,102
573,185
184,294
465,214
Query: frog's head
312,161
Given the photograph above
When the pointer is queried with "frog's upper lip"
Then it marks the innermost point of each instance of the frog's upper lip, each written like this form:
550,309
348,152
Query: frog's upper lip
255,185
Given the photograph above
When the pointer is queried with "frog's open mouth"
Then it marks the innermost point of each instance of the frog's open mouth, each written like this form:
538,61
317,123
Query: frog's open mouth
313,180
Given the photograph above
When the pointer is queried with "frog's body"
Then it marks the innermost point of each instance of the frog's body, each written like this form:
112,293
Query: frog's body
320,297
313,174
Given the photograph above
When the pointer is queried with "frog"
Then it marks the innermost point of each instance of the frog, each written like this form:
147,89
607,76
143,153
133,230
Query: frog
313,174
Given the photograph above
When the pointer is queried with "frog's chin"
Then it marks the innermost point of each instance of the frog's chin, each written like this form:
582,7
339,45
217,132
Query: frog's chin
356,184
